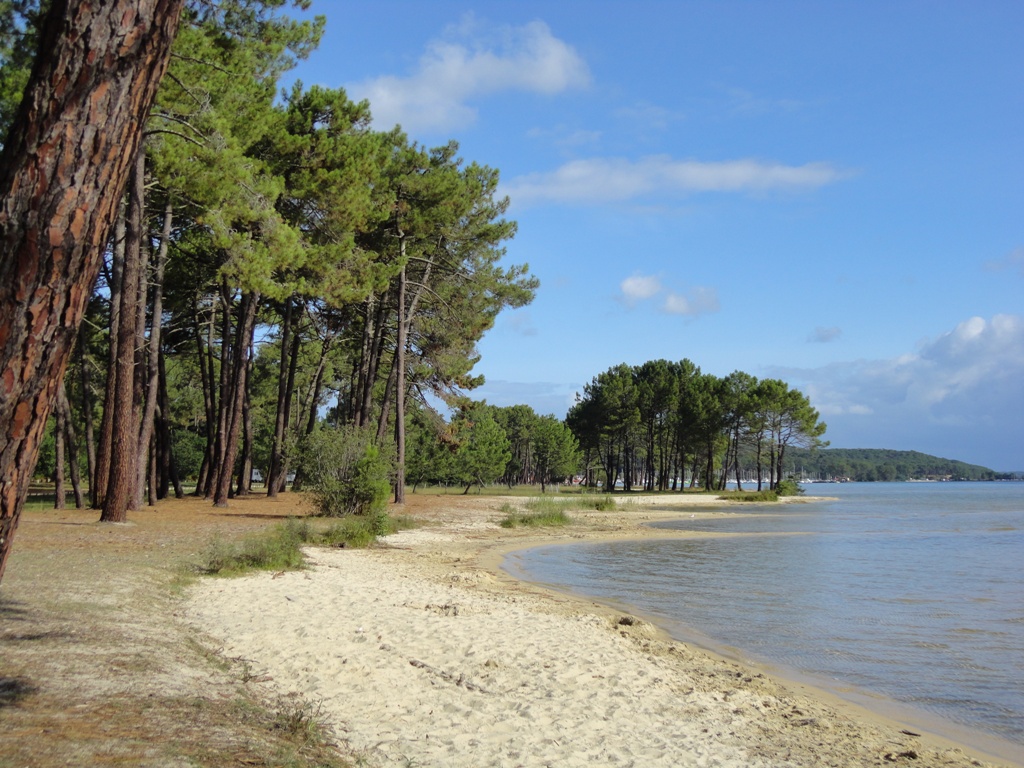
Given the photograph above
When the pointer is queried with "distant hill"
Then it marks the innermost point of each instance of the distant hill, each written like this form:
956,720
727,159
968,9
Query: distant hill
868,464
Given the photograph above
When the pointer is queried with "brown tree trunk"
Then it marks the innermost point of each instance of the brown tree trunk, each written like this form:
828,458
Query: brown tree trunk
277,447
59,493
170,468
209,403
309,408
232,402
124,455
225,401
90,442
289,396
153,480
101,471
64,166
243,487
153,385
373,347
403,332
71,442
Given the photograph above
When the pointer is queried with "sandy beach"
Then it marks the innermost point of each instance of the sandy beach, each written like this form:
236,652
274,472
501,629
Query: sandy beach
423,652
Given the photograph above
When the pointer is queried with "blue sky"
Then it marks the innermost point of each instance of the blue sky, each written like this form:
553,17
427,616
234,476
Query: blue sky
831,193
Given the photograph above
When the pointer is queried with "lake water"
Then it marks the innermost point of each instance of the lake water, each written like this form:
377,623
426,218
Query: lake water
909,591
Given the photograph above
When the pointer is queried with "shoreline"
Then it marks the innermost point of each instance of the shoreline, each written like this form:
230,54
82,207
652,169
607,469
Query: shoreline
407,627
859,703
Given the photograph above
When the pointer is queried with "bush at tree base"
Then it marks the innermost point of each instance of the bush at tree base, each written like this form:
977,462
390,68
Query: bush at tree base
349,472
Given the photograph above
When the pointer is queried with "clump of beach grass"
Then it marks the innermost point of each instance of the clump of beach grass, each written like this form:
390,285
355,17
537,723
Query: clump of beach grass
602,503
280,548
752,496
547,511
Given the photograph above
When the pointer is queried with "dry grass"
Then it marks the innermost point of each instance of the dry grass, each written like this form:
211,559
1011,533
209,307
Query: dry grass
96,670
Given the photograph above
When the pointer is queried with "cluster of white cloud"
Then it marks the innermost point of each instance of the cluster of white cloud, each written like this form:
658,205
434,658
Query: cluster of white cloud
610,180
479,62
697,301
474,61
963,390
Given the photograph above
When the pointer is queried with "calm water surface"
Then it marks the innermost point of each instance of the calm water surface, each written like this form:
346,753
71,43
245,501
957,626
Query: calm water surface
914,591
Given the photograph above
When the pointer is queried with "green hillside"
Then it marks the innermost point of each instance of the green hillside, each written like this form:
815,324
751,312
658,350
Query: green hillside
876,464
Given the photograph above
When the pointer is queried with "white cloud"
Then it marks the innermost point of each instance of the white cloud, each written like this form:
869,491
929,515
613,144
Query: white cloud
451,73
699,301
825,335
608,180
959,395
640,288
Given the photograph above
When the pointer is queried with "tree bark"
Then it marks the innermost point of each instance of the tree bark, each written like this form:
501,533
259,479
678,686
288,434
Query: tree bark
170,468
244,485
64,166
153,385
225,402
235,394
71,442
90,443
101,473
59,493
277,447
124,455
289,396
403,332
209,401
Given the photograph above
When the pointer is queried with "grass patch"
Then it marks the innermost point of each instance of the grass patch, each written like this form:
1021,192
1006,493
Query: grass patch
753,496
547,511
536,519
538,513
602,503
280,547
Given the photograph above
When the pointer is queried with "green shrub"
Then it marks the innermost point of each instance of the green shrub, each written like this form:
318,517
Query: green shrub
789,487
349,472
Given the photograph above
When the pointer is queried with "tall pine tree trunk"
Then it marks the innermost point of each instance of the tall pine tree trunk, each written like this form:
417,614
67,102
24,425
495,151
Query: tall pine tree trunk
64,165
124,456
225,401
244,484
289,397
403,332
59,493
209,401
101,475
235,392
169,468
152,387
280,422
63,407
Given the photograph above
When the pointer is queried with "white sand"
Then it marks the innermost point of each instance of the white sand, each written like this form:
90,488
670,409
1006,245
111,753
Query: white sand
421,656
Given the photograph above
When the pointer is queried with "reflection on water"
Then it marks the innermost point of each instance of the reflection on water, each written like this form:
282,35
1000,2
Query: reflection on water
914,591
